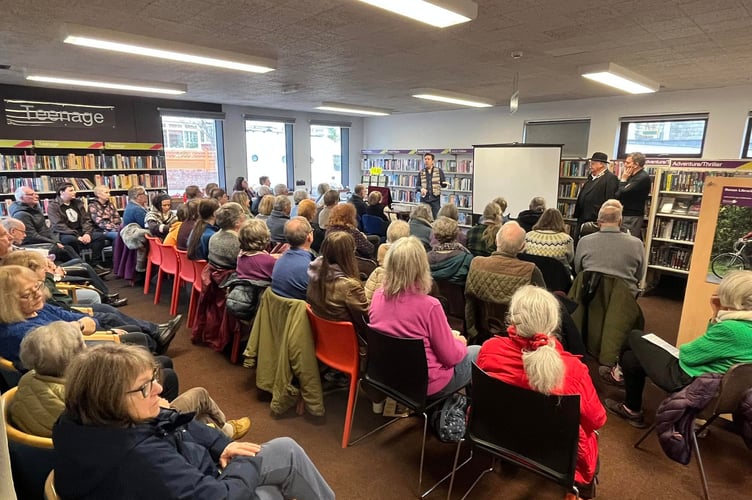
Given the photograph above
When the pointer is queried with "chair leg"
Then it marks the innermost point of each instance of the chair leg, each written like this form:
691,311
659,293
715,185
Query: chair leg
477,480
192,307
350,408
696,446
147,277
175,295
158,290
645,436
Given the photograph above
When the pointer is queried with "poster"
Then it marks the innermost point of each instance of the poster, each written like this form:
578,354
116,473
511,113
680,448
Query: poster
732,241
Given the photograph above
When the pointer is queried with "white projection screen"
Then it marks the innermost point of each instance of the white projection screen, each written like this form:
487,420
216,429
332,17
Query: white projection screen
517,172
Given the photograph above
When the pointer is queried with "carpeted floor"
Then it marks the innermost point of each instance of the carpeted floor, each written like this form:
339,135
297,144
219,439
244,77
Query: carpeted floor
385,466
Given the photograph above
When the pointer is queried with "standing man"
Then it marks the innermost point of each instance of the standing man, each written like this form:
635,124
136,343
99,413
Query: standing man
430,182
634,189
600,186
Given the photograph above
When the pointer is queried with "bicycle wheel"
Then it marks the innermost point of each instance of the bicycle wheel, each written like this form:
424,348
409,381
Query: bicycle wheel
725,263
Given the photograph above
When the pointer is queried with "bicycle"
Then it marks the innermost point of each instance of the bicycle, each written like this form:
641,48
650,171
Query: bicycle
726,262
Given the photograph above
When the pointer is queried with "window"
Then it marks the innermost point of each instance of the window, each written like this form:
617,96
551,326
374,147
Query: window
329,147
573,135
269,150
678,136
747,149
193,152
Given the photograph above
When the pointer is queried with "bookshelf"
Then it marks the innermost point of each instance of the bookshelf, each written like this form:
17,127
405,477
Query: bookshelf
43,164
401,167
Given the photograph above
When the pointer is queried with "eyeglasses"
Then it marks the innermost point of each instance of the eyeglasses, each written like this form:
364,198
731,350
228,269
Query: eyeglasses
145,389
20,230
37,290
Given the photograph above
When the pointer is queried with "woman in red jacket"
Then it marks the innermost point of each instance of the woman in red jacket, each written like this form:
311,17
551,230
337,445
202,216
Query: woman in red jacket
532,358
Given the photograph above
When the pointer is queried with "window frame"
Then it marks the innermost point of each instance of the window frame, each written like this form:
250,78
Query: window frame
746,146
289,143
625,122
344,145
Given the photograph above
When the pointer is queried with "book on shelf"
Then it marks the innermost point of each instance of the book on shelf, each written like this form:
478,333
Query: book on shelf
694,207
667,204
681,207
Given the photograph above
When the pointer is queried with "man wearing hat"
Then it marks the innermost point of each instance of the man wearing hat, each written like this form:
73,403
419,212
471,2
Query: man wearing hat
601,185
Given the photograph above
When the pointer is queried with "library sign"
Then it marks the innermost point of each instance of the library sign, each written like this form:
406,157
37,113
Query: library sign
56,114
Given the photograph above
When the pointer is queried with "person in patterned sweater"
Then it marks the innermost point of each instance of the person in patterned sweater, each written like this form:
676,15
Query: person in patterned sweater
550,239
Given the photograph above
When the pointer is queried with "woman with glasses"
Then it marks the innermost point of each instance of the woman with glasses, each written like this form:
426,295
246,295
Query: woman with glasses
115,441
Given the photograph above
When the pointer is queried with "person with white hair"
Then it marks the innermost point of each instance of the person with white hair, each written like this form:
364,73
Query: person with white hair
298,196
532,357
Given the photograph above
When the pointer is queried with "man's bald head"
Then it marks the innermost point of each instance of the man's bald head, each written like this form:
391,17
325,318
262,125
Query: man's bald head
510,239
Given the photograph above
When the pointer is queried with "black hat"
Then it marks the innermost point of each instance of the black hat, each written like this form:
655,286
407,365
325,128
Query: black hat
601,157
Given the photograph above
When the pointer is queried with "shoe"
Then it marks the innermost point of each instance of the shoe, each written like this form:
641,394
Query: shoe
101,270
115,301
617,408
167,332
240,427
337,379
606,374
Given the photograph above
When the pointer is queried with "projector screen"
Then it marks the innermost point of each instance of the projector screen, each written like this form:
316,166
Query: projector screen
516,172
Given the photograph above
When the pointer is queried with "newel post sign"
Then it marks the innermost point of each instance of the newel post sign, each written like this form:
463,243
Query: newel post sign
56,114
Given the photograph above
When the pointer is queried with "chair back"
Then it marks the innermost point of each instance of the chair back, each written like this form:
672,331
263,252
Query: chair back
187,269
10,376
336,343
397,367
155,256
49,487
365,267
537,432
168,258
373,224
555,274
198,269
455,297
734,384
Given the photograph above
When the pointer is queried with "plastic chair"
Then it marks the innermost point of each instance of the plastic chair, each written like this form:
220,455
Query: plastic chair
398,368
31,456
169,264
337,347
49,487
198,287
735,382
375,225
186,274
154,258
550,449
10,376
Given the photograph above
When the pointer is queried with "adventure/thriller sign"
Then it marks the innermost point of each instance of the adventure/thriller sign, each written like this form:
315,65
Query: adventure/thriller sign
56,114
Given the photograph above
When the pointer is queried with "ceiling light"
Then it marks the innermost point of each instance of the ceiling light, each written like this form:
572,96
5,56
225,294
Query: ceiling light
615,76
439,13
115,84
353,109
452,98
163,49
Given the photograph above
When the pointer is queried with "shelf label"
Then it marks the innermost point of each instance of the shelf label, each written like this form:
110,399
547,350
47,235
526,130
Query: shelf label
373,151
376,170
68,144
730,164
21,113
737,196
142,146
15,143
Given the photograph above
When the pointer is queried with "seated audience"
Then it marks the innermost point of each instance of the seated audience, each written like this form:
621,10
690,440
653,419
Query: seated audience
298,196
421,219
115,441
135,211
262,191
290,275
278,217
281,189
344,218
103,213
265,207
172,236
192,192
27,209
450,210
528,218
160,218
330,200
335,291
209,188
375,207
224,245
449,260
307,209
357,199
403,308
72,224
241,186
502,203
531,357
609,251
548,238
220,195
321,190
191,206
481,238
727,341
198,241
396,230
254,262
241,198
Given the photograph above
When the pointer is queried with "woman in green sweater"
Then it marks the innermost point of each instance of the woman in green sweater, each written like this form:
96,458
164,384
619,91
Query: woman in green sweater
727,341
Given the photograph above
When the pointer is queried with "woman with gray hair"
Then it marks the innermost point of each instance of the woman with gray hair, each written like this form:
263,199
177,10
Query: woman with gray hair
421,219
224,245
531,357
103,213
449,260
254,262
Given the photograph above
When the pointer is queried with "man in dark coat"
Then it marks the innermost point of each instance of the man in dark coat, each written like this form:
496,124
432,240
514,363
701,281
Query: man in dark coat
600,186
634,189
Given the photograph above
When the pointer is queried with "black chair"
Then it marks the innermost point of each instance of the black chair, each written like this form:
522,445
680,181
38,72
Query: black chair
555,274
365,267
454,302
550,446
397,367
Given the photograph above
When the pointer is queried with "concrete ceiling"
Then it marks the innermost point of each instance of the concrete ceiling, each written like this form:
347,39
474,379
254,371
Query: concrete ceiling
347,51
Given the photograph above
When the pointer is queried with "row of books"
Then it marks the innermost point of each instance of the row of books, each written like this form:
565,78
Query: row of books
118,201
690,182
671,256
573,168
405,195
78,162
406,164
42,183
675,229
569,189
460,200
459,183
374,180
566,209
456,166
680,205
126,181
403,180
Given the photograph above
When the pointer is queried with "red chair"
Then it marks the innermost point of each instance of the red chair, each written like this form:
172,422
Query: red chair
154,257
198,287
169,265
337,347
186,274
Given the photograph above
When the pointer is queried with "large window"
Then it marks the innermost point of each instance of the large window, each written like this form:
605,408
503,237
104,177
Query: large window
747,150
269,149
329,153
677,136
193,152
573,135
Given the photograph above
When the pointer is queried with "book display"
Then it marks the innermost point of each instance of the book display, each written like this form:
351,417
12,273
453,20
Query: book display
44,164
400,167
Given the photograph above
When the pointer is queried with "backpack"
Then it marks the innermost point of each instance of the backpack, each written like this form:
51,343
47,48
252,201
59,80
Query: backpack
449,421
243,296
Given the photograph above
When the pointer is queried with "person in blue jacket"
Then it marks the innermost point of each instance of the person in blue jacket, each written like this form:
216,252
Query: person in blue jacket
135,210
114,441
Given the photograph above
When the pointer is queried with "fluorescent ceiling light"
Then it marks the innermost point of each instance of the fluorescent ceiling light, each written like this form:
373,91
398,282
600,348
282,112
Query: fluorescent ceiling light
115,84
452,98
439,13
615,76
163,49
352,109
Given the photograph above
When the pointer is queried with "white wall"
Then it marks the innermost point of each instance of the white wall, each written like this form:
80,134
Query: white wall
235,146
728,109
